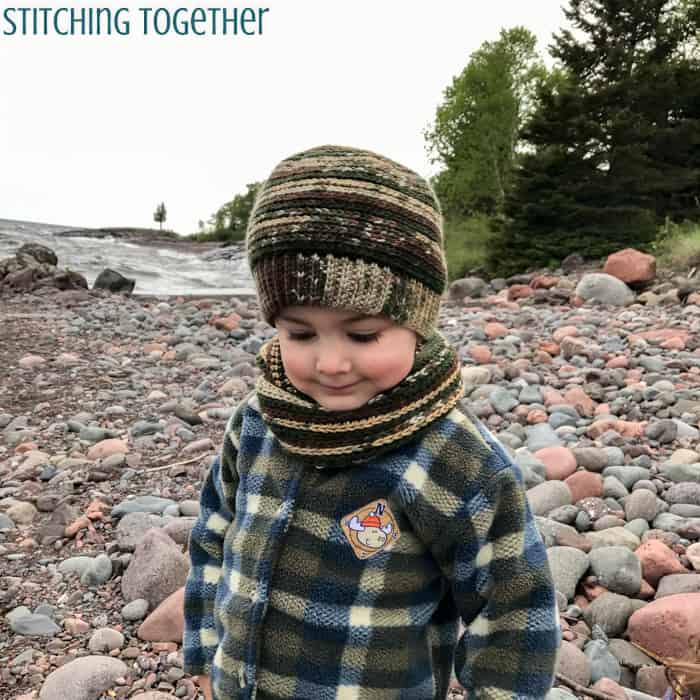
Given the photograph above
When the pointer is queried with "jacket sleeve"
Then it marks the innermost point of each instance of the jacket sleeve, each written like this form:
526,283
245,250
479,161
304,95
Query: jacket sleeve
216,513
484,538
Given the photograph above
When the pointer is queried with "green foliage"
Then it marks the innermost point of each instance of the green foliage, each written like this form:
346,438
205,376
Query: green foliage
467,242
229,222
616,135
475,136
160,214
678,245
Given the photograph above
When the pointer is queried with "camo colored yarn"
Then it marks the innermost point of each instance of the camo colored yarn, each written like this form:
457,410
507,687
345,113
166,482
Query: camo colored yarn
335,438
349,229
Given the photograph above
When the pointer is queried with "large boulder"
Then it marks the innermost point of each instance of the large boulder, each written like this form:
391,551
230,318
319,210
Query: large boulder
668,627
33,253
604,289
631,266
473,287
157,568
32,267
114,282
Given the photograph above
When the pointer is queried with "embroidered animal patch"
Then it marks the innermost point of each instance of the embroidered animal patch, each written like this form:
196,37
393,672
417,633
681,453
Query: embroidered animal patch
371,529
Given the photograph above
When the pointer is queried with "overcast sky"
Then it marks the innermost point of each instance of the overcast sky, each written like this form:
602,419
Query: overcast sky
95,131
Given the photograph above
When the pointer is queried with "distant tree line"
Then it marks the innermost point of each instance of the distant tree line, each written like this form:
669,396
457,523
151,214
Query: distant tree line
229,221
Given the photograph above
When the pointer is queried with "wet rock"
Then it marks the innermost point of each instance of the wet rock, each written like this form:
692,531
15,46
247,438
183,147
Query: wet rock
114,282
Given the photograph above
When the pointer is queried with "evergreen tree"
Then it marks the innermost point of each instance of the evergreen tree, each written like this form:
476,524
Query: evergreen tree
615,135
160,214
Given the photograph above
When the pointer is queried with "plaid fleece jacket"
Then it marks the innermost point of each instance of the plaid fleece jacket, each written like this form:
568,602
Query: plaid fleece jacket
312,583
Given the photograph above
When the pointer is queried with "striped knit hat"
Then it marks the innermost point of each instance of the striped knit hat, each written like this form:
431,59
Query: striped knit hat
349,229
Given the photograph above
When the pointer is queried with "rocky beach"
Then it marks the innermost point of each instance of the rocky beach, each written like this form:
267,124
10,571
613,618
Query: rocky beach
112,407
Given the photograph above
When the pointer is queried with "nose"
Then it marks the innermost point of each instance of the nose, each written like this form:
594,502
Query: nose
332,359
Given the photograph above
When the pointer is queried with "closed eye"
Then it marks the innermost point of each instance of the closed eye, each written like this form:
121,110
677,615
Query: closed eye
355,337
364,337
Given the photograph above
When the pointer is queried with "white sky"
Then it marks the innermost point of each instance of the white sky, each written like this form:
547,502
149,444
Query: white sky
95,131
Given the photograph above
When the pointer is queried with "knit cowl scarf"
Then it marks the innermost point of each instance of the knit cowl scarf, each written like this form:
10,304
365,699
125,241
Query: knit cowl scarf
388,420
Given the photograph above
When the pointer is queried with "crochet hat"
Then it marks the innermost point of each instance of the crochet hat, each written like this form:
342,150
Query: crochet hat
348,229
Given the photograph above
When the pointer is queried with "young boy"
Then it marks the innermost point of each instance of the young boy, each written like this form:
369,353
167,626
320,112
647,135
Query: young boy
357,511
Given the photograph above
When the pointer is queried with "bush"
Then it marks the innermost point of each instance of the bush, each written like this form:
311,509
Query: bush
678,245
467,244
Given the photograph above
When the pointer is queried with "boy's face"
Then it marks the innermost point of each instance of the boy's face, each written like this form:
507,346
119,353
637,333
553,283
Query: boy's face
340,358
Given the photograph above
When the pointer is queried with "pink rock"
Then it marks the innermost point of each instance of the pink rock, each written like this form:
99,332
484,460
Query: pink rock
542,358
580,400
76,626
225,323
675,343
658,560
694,298
693,554
167,622
552,397
651,680
629,265
610,688
658,335
480,354
536,415
495,330
630,429
583,484
155,347
31,361
646,591
602,409
550,348
559,462
106,448
619,362
668,626
563,332
574,346
519,291
573,664
544,281
25,447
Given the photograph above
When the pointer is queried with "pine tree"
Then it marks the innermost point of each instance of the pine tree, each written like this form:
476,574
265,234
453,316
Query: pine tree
615,137
160,214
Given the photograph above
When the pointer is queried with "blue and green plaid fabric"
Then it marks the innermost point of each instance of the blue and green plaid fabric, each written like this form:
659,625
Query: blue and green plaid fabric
278,605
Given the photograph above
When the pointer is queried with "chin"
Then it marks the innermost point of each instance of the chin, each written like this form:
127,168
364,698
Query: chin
340,403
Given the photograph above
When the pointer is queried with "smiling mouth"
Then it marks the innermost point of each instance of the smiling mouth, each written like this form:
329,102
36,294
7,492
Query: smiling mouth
339,388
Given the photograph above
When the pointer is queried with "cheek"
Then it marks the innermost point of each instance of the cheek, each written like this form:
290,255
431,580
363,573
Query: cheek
295,361
390,366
